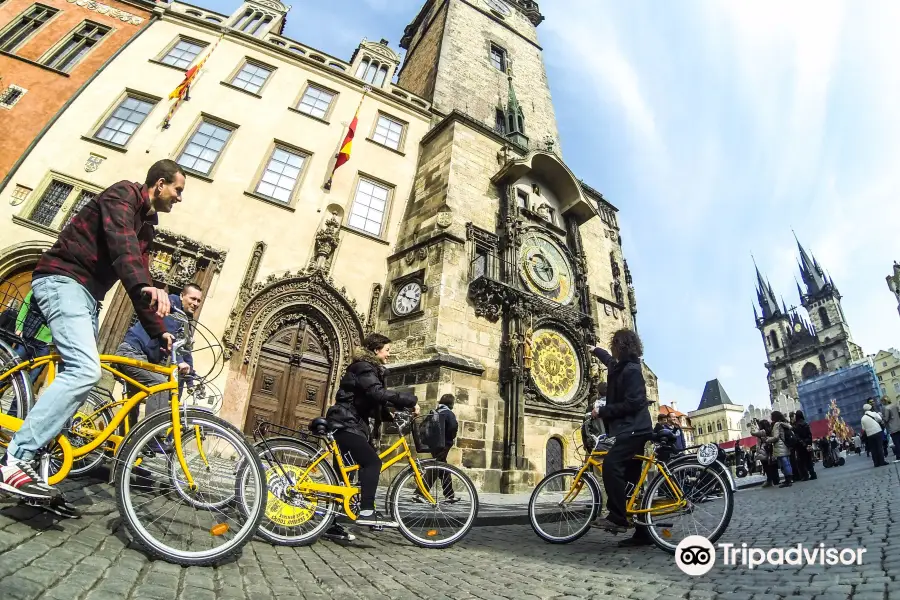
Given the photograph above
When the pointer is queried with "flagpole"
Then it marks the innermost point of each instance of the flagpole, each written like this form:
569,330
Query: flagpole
366,90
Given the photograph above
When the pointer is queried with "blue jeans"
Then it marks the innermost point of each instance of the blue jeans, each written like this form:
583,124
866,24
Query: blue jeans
785,463
71,314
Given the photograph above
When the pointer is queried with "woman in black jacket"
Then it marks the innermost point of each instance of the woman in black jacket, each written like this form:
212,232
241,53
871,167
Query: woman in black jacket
362,396
627,418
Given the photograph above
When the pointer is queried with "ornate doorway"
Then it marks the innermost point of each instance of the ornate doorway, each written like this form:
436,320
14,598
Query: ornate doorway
554,456
291,378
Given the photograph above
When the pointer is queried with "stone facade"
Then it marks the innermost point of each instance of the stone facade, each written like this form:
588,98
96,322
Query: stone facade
717,424
492,267
806,341
782,403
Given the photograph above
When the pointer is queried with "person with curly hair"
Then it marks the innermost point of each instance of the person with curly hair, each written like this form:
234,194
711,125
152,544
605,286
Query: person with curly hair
626,416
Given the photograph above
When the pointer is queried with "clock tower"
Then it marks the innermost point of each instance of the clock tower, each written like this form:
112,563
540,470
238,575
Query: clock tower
506,264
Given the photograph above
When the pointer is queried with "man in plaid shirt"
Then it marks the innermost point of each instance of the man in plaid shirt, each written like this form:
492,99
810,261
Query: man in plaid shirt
108,241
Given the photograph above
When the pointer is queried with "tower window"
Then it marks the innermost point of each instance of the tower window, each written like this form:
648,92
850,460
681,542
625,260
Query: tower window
823,316
500,122
498,58
773,339
182,54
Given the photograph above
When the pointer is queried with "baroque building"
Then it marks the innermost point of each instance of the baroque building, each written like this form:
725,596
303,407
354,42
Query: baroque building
456,228
800,346
782,403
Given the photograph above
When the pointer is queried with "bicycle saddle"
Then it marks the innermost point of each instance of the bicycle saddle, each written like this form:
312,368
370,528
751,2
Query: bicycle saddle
319,426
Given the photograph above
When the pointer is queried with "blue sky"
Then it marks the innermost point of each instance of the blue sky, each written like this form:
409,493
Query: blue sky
715,127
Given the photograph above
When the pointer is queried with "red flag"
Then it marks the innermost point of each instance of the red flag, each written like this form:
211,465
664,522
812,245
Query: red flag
344,154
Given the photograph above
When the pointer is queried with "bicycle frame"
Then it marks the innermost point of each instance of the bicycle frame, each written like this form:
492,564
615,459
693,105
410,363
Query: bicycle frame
595,459
345,492
107,434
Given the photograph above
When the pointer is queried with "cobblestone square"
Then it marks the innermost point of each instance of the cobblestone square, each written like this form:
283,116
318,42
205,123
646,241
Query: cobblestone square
92,559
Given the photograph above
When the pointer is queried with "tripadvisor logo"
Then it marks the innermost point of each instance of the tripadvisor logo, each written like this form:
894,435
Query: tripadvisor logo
695,555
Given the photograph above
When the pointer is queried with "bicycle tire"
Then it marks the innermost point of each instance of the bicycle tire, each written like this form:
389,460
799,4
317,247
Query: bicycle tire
659,480
269,466
130,452
405,530
596,502
20,393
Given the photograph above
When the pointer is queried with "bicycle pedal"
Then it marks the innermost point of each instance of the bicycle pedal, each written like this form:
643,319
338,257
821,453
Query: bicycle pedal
377,527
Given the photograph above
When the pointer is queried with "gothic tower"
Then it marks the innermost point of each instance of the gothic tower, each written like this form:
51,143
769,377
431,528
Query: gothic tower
798,347
506,264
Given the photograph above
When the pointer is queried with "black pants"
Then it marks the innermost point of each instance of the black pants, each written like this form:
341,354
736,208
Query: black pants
771,469
876,447
799,466
620,469
805,462
895,437
369,463
446,482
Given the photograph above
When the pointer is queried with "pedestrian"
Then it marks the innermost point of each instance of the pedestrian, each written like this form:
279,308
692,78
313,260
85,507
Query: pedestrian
804,448
795,466
872,424
593,427
762,430
782,452
140,346
665,421
450,427
857,444
892,423
31,327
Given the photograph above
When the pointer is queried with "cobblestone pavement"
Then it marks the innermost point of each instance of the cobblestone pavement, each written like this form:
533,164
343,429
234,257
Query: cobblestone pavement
92,559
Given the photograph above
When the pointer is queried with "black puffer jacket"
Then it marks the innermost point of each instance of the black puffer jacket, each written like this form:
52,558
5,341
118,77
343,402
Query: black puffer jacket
362,396
627,409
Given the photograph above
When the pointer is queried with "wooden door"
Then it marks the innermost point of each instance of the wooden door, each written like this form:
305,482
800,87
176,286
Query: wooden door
291,379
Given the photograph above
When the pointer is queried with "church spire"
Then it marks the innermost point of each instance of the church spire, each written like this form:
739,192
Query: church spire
810,271
515,118
765,296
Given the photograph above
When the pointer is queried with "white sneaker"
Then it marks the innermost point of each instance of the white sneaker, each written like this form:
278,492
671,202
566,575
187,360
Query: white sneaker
375,519
18,477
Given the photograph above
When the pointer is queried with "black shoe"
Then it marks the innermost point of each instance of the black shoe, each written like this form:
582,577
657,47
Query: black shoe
452,499
813,476
338,533
636,540
609,526
375,519
420,499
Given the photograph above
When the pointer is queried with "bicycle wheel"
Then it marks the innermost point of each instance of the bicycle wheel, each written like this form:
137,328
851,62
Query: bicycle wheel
710,504
561,513
440,524
198,464
293,518
16,394
161,520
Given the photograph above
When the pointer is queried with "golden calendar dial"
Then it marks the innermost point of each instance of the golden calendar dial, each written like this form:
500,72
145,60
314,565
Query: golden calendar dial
556,369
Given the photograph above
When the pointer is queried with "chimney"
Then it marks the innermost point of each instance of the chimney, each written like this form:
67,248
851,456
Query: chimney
384,42
672,403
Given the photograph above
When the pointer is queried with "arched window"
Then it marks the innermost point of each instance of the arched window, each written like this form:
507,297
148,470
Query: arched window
834,354
372,69
809,370
823,316
363,65
382,75
718,426
708,428
521,124
773,339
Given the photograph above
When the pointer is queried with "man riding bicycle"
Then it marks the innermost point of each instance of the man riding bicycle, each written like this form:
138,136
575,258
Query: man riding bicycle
107,241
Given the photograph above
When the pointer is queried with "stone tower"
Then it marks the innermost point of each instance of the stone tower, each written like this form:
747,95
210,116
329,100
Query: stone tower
506,264
798,347
459,54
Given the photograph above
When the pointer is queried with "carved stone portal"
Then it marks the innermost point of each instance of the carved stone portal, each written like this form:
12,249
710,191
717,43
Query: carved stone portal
278,301
327,240
176,259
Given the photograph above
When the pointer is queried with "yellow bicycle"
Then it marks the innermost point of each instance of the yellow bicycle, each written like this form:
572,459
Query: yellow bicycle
689,495
175,472
434,503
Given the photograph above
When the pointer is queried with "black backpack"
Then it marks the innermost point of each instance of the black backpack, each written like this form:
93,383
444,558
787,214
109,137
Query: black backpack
431,436
789,437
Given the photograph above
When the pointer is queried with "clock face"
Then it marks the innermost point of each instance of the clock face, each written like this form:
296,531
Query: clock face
797,327
556,369
545,270
499,5
408,298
